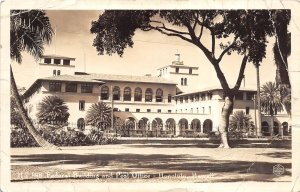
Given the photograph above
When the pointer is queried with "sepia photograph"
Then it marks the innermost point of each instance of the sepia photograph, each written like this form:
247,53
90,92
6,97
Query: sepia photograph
155,96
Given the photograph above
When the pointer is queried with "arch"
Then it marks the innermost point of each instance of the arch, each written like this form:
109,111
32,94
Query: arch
143,123
104,93
81,124
138,94
265,128
130,123
159,95
157,126
183,124
148,95
276,128
196,125
116,93
127,94
285,128
207,126
170,125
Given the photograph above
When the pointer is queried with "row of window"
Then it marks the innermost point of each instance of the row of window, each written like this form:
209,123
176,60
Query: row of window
57,61
194,98
70,87
56,72
116,93
190,70
184,81
194,111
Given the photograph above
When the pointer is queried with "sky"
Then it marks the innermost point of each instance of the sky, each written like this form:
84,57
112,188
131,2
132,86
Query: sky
151,50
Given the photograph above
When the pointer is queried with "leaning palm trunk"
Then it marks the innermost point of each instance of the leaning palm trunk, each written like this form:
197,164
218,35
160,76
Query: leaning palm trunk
38,138
224,121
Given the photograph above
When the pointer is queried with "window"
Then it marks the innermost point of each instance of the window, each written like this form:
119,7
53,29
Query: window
86,88
185,81
54,86
190,70
203,97
170,98
47,60
57,61
126,109
148,95
116,109
209,96
159,95
54,72
148,110
158,110
181,81
104,93
138,94
169,111
177,69
186,99
247,110
138,110
192,98
196,97
66,62
81,105
58,72
71,87
239,96
250,96
181,99
116,93
127,94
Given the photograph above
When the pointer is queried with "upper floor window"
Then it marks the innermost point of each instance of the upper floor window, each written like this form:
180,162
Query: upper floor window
209,96
104,93
203,97
181,99
239,96
185,81
58,72
56,61
159,95
192,98
197,97
127,94
170,98
55,86
66,62
116,93
148,95
54,72
47,60
71,87
177,69
190,70
247,110
81,105
86,88
138,94
182,81
186,99
250,95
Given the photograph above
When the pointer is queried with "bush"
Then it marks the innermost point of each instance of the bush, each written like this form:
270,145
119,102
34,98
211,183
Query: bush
22,138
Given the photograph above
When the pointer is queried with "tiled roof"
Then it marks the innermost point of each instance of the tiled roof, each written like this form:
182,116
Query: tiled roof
127,78
77,78
215,88
58,56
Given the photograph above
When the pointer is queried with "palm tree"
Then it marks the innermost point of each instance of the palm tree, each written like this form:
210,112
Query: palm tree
99,115
258,125
52,110
240,123
271,102
29,31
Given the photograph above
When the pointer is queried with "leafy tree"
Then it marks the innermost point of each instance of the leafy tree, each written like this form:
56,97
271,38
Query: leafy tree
52,110
271,101
99,115
241,31
240,123
29,31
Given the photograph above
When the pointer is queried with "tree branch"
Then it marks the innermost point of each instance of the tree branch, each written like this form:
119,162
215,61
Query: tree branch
213,42
241,74
221,78
226,50
168,29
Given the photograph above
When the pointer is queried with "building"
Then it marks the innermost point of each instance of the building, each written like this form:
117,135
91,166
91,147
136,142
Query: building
163,105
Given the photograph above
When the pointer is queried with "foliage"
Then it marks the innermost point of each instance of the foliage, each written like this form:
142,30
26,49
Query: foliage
52,110
29,30
285,93
240,125
271,101
22,138
99,115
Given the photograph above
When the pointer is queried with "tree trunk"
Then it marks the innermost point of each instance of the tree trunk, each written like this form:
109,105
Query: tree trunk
272,125
38,138
258,128
224,121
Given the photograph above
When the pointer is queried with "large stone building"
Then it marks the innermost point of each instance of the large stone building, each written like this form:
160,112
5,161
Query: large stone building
168,104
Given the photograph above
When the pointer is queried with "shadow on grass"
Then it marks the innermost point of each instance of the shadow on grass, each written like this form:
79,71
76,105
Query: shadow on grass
281,155
157,163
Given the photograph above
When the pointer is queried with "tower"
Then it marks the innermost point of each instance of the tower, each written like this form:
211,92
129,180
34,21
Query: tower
185,76
53,65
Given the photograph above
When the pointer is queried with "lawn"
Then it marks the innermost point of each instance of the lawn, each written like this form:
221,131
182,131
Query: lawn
153,162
